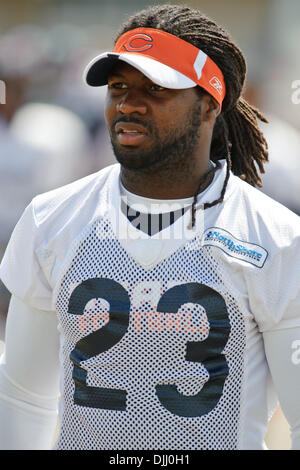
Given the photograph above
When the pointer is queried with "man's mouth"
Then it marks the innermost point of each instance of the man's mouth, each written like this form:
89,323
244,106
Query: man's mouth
129,133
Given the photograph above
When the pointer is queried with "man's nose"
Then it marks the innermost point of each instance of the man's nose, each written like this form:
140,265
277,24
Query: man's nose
131,103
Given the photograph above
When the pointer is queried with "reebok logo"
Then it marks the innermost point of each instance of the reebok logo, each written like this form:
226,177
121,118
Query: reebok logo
249,252
216,83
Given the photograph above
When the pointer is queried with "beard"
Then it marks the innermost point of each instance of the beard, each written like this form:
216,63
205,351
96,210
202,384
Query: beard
171,151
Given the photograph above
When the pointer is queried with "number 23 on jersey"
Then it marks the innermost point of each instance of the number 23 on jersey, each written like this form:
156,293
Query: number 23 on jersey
208,352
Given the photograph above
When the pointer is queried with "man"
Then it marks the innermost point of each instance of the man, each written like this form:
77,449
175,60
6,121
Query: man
174,283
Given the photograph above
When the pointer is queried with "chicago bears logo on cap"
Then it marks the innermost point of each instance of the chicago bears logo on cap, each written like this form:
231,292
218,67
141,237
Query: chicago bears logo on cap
138,43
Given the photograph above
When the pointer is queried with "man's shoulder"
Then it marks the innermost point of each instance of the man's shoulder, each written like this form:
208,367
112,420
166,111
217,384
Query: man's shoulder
265,204
251,216
73,197
265,214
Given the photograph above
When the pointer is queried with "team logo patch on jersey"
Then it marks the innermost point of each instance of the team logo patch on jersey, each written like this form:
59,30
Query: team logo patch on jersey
249,252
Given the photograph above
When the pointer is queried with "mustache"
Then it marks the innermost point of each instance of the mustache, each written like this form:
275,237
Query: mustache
131,119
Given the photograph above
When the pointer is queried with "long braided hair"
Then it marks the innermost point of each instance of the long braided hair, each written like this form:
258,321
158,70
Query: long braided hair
236,134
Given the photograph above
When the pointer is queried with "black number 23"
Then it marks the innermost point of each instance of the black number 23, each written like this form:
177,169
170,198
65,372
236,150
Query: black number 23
207,352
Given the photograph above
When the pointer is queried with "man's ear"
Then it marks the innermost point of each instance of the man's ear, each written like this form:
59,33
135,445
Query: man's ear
211,108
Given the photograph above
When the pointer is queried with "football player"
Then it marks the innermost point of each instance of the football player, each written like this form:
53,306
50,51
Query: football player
160,296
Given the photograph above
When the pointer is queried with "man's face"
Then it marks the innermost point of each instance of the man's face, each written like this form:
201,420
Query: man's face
150,126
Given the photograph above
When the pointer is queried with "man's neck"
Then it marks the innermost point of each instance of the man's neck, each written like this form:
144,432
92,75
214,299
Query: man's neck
165,184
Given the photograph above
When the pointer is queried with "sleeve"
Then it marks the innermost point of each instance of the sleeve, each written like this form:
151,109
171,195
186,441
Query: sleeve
29,379
274,293
20,269
282,349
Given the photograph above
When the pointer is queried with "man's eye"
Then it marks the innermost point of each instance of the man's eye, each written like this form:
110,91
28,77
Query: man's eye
117,85
154,87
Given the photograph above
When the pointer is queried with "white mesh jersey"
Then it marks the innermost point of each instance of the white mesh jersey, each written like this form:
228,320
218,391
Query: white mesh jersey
161,344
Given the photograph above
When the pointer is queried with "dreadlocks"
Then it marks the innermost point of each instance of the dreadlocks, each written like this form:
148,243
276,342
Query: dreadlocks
236,134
